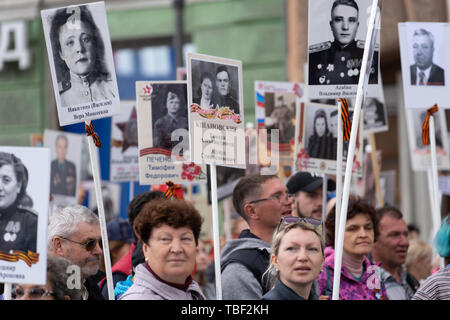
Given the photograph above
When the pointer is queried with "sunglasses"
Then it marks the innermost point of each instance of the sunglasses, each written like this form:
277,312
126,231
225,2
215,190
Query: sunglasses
33,293
293,219
89,245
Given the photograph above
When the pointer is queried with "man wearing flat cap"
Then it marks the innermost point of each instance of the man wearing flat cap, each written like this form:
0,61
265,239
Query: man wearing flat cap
308,194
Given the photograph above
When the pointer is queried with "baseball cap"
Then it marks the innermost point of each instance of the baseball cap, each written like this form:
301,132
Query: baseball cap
305,181
119,229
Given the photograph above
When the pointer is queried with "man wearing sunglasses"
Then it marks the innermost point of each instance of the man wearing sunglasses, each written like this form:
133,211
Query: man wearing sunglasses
261,200
307,191
74,234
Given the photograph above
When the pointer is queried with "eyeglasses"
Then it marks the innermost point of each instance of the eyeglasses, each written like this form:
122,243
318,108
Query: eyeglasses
33,293
89,245
284,196
293,219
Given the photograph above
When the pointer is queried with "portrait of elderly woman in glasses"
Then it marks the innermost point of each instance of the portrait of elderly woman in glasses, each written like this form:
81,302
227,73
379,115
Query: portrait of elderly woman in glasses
18,220
169,231
78,52
296,260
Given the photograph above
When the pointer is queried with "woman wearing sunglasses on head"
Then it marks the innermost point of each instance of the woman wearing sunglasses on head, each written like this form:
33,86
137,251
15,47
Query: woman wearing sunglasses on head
56,287
297,259
169,232
359,277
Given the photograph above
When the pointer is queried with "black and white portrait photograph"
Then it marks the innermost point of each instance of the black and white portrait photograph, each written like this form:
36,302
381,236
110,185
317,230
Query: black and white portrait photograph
81,62
336,38
66,150
425,59
316,140
420,154
215,100
215,84
24,200
169,113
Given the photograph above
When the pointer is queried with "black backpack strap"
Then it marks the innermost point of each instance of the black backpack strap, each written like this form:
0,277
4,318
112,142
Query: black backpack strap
412,282
329,288
255,260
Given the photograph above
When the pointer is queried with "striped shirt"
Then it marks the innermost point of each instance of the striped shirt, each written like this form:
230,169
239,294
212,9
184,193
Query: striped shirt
435,287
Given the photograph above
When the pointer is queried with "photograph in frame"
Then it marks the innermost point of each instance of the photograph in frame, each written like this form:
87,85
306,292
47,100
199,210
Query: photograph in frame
24,214
124,165
65,167
216,110
336,38
420,154
276,109
81,62
424,54
163,135
316,140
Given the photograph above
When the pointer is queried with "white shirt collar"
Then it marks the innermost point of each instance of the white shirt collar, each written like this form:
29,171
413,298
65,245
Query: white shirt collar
427,75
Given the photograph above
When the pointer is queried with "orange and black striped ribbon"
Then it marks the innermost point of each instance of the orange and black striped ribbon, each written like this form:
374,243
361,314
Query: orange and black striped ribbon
345,115
90,132
426,125
30,257
171,188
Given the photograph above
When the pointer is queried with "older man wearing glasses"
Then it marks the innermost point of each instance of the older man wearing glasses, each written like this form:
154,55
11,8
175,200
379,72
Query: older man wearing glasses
74,233
261,200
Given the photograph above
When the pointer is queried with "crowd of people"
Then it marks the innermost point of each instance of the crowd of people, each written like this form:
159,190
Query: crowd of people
280,252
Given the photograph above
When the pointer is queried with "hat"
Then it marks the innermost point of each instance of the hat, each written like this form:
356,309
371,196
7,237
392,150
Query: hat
304,181
119,229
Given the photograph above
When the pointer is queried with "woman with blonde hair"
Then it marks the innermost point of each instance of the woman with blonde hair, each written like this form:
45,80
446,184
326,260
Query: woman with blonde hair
296,260
419,259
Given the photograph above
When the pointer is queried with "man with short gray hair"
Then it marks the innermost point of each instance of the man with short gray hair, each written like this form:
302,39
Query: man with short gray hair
424,71
74,234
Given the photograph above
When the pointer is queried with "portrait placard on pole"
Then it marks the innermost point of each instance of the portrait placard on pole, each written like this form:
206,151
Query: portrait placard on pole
65,150
316,140
24,204
336,39
425,61
124,165
163,134
216,111
81,62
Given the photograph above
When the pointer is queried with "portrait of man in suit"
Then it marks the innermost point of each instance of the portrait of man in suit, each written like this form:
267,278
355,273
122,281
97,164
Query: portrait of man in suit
424,72
63,171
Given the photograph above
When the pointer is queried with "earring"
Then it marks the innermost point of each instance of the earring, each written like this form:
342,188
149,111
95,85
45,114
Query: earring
146,260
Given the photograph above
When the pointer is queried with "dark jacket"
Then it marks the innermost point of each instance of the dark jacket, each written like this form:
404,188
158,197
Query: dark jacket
92,287
282,292
63,178
18,229
436,77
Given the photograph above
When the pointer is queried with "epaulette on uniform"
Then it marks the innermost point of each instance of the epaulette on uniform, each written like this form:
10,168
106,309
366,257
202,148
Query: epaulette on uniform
27,209
361,43
64,86
320,47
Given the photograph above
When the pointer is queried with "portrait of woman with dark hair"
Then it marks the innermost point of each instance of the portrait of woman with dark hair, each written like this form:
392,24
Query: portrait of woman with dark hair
320,143
171,98
18,220
78,53
205,97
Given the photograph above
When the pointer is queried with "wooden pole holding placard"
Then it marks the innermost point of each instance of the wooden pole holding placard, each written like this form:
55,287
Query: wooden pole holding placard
340,147
434,188
101,214
376,170
362,85
215,220
131,190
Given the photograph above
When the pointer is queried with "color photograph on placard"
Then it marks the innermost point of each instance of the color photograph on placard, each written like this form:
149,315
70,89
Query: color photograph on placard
124,165
81,62
216,110
24,202
276,109
163,134
336,40
424,53
316,140
65,150
420,154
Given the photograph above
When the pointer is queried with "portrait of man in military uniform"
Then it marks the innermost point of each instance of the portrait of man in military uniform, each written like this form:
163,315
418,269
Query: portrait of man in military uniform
169,110
18,219
63,172
223,86
424,72
339,61
79,58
